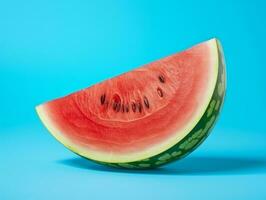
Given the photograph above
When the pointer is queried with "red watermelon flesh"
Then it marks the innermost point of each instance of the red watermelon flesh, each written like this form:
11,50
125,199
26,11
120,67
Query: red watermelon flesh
140,113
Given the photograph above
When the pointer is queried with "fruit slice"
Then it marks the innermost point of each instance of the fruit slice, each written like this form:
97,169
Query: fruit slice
146,117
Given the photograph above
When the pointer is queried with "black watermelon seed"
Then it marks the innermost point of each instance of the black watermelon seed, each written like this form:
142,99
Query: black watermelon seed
146,102
118,107
140,107
127,108
160,92
114,106
133,107
102,99
161,79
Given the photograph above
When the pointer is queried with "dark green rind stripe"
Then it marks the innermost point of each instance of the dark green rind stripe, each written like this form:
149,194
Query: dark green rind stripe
198,134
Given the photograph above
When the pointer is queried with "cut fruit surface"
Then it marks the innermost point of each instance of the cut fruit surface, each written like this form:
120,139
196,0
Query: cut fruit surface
146,117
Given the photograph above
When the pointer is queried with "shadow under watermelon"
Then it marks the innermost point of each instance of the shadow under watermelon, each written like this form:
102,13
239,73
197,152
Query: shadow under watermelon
193,165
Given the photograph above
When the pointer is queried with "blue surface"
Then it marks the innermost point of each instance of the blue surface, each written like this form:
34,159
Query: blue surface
51,48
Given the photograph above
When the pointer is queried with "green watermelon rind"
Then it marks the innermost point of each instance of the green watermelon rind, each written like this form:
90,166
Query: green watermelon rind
196,136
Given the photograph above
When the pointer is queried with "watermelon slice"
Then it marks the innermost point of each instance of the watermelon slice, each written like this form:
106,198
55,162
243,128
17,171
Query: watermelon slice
147,117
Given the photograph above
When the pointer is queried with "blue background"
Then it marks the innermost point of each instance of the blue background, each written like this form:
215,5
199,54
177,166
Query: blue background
51,48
